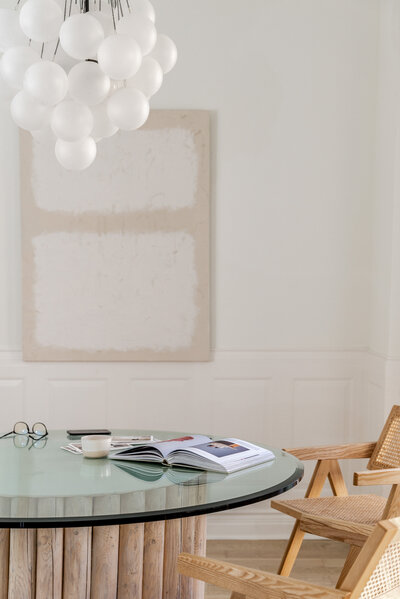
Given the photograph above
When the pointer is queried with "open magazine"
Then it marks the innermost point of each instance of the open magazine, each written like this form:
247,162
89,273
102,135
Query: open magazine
198,451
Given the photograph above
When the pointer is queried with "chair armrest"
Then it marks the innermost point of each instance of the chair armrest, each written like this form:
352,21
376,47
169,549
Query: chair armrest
389,476
334,452
254,584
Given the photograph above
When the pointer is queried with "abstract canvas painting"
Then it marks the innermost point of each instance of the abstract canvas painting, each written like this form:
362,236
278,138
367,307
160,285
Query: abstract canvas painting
116,258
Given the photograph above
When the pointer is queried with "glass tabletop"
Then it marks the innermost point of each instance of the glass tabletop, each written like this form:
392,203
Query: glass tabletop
50,487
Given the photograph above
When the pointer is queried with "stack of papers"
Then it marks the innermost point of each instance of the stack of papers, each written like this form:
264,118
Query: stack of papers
116,443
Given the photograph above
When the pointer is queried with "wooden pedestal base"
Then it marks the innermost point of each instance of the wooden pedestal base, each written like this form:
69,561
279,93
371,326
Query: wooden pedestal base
131,561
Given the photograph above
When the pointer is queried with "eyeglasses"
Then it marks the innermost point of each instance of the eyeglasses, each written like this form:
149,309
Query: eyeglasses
28,441
39,430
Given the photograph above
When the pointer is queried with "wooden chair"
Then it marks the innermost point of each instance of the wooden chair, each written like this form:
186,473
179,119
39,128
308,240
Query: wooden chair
375,573
344,517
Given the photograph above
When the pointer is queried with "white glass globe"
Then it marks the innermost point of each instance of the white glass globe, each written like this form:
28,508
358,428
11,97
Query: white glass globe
119,56
10,31
15,63
149,77
81,36
41,20
165,53
28,113
47,82
71,120
76,155
128,109
141,29
145,8
88,83
102,126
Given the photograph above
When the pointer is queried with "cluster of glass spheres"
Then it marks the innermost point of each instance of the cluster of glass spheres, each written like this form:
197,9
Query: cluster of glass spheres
116,62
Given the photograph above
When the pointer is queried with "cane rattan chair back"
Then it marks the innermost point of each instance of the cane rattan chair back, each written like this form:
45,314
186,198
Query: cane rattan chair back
387,450
386,576
375,573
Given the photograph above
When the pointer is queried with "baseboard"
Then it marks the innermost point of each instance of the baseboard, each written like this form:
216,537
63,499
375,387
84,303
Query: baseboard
255,526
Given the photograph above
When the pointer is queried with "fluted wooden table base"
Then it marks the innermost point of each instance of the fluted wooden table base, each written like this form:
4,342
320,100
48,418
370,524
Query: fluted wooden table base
131,561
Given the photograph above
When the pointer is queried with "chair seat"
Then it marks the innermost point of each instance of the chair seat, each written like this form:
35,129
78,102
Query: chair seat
362,509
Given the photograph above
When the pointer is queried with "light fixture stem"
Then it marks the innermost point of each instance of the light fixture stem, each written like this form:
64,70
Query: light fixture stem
56,50
113,15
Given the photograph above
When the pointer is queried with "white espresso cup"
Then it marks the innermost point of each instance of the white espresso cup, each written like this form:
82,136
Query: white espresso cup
96,446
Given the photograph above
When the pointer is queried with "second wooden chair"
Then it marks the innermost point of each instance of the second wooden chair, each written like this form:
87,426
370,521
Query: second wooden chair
344,517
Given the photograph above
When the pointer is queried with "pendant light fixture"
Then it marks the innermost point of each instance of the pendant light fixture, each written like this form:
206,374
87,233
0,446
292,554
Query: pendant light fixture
83,69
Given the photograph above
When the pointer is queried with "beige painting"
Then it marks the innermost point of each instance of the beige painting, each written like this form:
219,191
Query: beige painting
116,258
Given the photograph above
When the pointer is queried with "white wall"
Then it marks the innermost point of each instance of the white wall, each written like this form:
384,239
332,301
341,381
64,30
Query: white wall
292,85
383,364
384,337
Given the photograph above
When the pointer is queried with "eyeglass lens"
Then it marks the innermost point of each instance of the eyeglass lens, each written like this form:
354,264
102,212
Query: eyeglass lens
39,444
21,428
21,441
39,429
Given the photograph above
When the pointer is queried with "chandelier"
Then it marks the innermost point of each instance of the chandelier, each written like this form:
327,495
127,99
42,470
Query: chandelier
84,70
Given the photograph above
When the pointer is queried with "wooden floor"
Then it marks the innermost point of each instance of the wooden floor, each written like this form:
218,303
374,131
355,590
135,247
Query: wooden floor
318,562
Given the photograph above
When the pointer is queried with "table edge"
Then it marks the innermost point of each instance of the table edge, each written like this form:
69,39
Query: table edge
156,515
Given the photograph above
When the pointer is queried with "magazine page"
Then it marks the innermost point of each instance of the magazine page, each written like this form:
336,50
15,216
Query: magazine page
162,448
166,447
228,450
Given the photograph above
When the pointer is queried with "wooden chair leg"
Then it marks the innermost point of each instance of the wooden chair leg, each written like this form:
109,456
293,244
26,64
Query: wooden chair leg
336,479
315,487
238,596
350,559
393,503
292,550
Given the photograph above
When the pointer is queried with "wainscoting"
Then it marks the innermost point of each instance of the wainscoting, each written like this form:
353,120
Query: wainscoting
285,399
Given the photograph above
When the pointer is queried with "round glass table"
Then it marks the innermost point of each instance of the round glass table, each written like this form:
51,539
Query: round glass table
74,528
